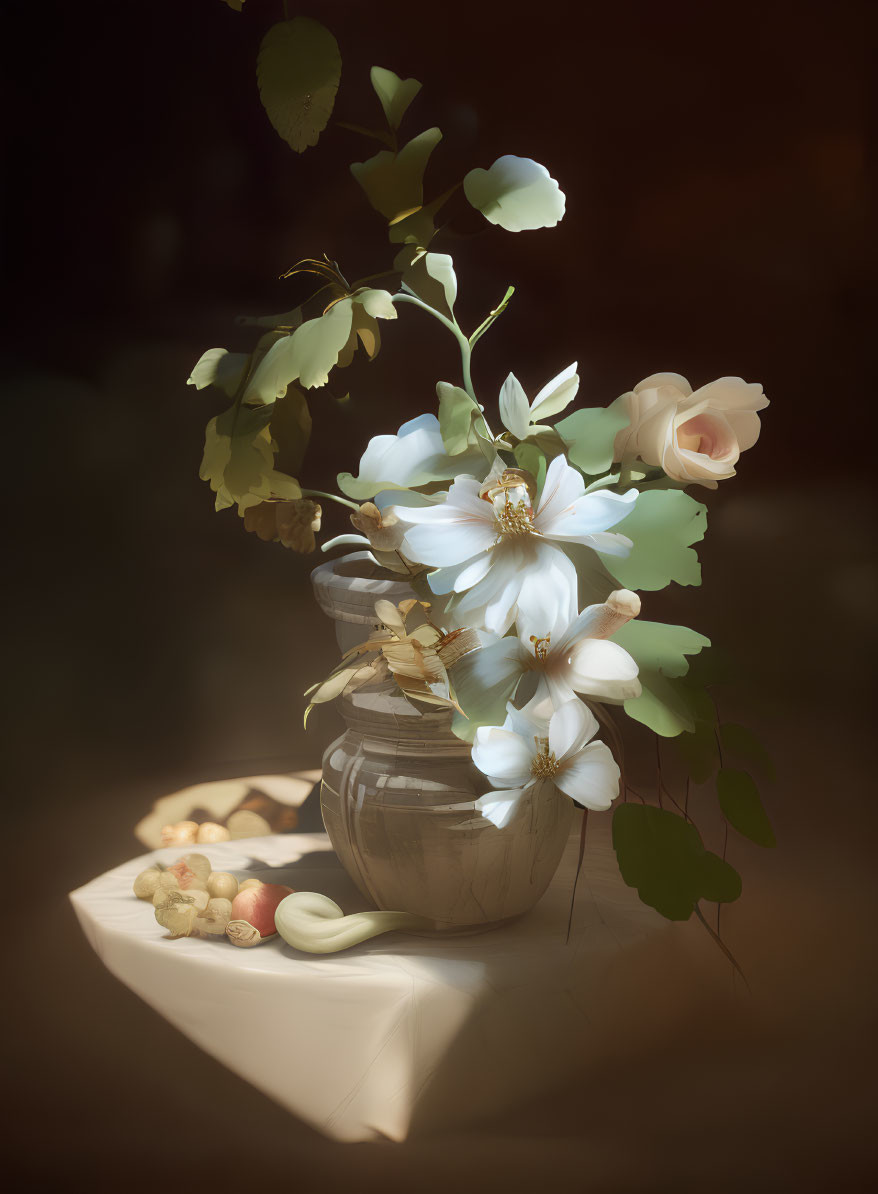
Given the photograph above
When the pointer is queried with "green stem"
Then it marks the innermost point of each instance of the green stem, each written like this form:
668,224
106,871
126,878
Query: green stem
463,344
495,314
331,497
373,134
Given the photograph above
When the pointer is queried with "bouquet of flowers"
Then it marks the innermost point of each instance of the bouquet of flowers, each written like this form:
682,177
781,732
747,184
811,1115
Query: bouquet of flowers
526,528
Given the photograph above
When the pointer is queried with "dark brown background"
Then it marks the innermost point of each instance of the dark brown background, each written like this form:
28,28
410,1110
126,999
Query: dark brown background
714,159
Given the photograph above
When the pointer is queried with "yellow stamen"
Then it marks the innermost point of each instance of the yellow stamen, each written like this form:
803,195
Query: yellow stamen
544,764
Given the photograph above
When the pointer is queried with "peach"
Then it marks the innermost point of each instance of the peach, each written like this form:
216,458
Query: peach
257,905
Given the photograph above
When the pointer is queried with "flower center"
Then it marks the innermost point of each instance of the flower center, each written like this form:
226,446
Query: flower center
513,518
544,764
541,647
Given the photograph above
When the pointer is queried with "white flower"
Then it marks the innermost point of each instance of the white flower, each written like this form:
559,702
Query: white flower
414,456
694,436
568,657
519,416
525,751
503,556
516,193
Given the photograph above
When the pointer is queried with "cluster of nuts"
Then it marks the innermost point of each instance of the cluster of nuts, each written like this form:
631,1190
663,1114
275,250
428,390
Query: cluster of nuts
192,900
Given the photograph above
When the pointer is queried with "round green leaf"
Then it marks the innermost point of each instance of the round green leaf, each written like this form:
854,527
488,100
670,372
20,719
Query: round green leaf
660,650
394,182
516,193
742,808
298,72
663,856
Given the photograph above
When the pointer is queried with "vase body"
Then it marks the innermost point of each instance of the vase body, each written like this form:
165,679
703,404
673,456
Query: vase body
399,790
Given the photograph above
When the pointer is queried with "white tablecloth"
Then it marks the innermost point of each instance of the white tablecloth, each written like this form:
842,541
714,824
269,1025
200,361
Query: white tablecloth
398,1035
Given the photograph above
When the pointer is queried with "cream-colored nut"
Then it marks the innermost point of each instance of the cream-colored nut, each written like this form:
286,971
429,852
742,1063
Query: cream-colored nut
198,864
182,834
177,917
169,879
212,922
249,883
199,898
211,832
186,878
246,823
146,883
241,932
223,885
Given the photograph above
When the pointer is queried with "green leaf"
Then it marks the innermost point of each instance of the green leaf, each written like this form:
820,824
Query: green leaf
221,368
432,278
660,651
308,354
590,435
662,525
742,808
456,412
531,457
238,459
664,857
698,748
515,193
298,72
290,428
394,93
394,182
742,745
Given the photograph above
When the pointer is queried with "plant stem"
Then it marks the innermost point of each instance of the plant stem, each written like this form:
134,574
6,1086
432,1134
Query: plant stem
463,344
495,314
722,945
331,497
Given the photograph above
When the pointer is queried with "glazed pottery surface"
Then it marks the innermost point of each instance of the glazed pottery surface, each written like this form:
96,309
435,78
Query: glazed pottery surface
399,790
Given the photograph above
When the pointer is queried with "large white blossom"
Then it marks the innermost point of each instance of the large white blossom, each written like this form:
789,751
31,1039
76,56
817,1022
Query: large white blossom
526,751
567,656
504,559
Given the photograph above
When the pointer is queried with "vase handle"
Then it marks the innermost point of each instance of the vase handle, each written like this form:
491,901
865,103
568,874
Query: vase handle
315,924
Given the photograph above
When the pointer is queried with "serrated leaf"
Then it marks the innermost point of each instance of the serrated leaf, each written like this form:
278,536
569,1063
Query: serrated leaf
662,525
394,182
394,93
660,651
664,858
308,355
742,745
298,71
742,808
221,368
589,435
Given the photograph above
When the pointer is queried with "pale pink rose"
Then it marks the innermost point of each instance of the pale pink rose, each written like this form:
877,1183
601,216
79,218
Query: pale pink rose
695,437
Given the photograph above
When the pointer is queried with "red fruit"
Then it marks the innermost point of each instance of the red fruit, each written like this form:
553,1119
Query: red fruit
257,906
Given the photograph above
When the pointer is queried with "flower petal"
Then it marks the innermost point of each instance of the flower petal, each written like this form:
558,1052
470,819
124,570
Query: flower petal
486,679
590,778
600,668
500,807
514,407
571,727
562,486
502,755
588,515
555,395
